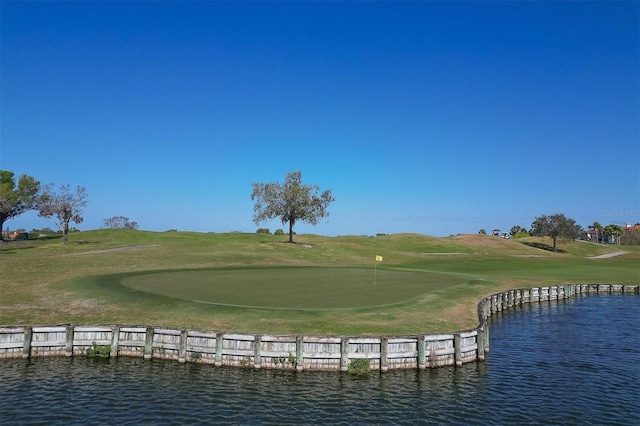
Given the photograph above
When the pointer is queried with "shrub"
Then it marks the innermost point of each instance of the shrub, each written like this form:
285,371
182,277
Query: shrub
631,237
44,232
279,232
99,351
359,367
119,222
292,359
263,231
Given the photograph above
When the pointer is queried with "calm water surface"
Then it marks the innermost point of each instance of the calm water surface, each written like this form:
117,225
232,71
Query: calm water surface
570,362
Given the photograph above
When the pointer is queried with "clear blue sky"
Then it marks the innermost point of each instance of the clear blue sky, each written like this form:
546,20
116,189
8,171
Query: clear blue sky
429,117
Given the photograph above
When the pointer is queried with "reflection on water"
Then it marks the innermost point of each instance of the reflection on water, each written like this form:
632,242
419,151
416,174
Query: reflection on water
571,362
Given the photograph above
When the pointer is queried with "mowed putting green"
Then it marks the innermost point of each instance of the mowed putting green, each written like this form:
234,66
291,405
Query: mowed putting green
306,288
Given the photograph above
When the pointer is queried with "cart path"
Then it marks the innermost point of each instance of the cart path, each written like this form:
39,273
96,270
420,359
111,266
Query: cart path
125,248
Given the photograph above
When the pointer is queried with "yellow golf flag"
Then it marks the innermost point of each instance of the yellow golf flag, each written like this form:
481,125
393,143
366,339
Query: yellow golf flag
378,258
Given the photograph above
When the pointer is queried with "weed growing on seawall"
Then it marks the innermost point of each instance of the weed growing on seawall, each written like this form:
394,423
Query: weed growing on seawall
359,367
99,351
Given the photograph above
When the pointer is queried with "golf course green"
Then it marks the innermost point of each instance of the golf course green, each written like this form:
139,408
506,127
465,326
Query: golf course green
293,288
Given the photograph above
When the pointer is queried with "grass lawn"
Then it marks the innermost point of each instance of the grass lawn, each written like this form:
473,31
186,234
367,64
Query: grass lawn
294,288
258,283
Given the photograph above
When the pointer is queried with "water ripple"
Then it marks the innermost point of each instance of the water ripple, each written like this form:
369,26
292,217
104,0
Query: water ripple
573,362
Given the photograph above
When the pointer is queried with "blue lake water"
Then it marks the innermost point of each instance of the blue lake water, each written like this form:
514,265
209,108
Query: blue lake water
568,362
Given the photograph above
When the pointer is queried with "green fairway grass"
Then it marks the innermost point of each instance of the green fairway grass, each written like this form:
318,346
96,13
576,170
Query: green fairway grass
259,283
293,288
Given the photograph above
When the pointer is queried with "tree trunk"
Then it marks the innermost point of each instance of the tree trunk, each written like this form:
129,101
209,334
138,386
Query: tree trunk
554,243
290,231
65,232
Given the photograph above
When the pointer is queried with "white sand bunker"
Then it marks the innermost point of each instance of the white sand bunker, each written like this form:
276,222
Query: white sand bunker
607,255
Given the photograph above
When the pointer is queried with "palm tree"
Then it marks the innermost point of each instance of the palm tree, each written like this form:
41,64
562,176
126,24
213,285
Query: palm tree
614,232
596,227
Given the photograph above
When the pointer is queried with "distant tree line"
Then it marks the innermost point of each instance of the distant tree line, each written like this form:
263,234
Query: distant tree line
119,222
558,226
268,231
290,201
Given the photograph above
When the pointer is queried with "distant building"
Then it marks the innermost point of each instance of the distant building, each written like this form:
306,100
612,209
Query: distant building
610,239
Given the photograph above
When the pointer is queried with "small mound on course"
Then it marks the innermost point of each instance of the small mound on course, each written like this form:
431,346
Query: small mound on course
293,288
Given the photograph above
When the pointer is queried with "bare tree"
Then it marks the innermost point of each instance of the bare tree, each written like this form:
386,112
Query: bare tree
15,200
66,206
291,202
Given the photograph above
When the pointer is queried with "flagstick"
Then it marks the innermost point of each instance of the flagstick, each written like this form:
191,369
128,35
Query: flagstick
375,269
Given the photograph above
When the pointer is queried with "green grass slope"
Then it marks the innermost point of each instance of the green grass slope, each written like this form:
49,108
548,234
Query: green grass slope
264,285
